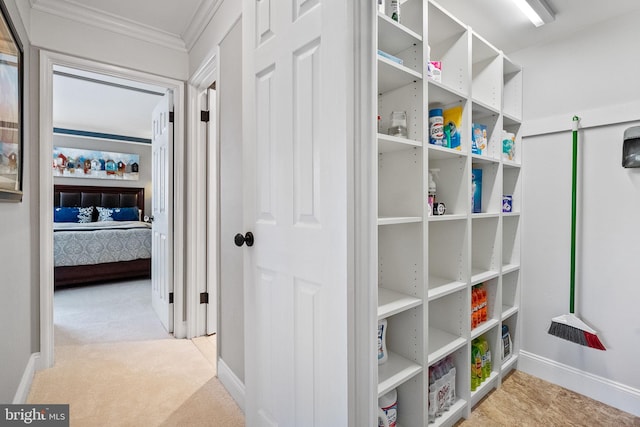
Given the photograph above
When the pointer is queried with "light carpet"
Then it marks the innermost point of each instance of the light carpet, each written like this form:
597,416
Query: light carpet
112,369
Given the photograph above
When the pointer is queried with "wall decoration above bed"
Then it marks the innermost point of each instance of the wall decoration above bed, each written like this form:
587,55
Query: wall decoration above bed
81,163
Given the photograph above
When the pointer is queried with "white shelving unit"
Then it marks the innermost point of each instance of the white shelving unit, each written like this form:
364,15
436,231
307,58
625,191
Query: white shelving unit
427,265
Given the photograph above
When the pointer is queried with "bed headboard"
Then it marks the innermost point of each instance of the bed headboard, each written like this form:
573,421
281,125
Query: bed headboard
108,197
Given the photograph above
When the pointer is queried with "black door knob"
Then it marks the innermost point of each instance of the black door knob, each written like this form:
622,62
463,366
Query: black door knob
239,239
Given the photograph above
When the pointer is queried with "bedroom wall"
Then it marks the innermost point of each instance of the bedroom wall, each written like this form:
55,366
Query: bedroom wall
593,75
143,150
18,254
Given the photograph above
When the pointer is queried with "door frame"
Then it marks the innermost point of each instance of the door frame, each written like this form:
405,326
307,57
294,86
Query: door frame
48,60
200,272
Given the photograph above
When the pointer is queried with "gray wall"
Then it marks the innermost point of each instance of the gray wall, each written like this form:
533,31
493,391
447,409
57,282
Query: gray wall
143,150
231,221
593,74
18,253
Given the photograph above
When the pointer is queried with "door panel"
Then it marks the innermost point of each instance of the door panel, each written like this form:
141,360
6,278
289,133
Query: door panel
295,157
162,197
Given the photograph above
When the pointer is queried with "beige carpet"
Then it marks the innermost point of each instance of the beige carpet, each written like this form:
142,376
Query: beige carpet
110,379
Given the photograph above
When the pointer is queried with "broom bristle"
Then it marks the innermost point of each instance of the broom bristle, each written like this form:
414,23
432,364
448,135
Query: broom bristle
576,335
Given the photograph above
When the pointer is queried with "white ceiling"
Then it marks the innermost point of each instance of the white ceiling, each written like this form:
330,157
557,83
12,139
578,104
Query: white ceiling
92,107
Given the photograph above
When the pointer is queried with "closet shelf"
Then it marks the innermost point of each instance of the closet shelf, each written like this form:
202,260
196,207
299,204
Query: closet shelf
454,413
508,311
395,371
440,287
484,159
485,215
393,76
511,214
388,143
481,109
511,164
392,302
510,119
398,220
442,344
509,363
484,327
394,37
447,217
445,95
508,268
439,153
480,275
484,388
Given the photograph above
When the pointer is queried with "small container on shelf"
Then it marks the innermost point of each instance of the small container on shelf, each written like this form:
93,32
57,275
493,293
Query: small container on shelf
398,124
481,366
442,387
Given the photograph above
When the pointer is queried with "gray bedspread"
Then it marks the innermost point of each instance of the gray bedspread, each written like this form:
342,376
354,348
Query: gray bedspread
100,242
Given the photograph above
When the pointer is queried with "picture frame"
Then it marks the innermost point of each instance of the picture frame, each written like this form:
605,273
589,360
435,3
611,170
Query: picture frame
11,109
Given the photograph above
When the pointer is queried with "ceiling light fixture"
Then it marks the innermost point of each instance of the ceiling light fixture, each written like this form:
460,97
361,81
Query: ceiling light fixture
538,11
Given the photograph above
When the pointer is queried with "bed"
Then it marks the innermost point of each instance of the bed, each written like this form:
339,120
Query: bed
98,235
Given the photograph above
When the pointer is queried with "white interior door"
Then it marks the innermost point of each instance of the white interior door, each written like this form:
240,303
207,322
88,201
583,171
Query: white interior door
295,192
212,211
162,197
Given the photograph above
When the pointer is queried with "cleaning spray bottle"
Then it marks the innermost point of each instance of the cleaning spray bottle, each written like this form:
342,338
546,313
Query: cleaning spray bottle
432,190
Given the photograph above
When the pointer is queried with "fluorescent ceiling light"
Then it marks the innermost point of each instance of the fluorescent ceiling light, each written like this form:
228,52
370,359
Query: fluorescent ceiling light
537,11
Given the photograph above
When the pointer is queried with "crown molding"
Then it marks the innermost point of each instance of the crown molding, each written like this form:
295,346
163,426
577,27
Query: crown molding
199,22
110,22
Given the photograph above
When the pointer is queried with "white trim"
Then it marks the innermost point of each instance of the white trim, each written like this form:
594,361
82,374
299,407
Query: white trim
363,220
22,393
601,116
199,22
78,12
47,61
609,392
232,383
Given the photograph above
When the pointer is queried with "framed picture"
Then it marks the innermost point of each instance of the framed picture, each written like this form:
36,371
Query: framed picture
11,105
81,163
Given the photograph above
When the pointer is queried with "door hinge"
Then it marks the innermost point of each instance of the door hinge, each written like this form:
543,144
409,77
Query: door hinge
170,297
170,116
204,116
204,298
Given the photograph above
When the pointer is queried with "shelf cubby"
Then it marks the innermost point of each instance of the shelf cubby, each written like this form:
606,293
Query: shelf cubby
394,37
388,143
486,73
407,98
451,183
395,371
512,90
400,184
400,262
392,75
484,115
411,407
491,200
448,323
494,308
512,323
392,302
493,338
460,358
449,44
510,241
511,185
485,245
448,243
510,294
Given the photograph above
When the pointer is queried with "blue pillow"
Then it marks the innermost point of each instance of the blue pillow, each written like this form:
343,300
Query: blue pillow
118,214
65,214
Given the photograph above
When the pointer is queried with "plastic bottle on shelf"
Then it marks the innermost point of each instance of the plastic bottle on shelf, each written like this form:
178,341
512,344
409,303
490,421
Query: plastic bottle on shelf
432,190
382,342
389,405
395,10
436,126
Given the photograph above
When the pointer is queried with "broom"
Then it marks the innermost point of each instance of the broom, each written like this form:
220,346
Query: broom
569,326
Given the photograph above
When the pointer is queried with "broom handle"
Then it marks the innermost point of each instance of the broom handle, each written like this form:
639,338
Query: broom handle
574,185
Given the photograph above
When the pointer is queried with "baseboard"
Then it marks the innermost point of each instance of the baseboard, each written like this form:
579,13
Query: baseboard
231,382
609,392
22,393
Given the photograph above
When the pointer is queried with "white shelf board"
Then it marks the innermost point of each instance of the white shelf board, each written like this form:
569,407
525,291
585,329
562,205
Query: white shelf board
394,37
479,275
508,311
508,364
392,302
392,75
394,372
485,215
510,119
510,213
484,388
438,152
388,143
511,164
484,159
452,415
483,328
481,109
441,344
388,220
447,217
440,287
508,268
443,94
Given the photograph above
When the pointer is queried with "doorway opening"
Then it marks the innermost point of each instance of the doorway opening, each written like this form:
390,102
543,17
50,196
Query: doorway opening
50,63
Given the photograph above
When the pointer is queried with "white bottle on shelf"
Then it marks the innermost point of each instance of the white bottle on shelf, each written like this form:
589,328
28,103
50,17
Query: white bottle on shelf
382,342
